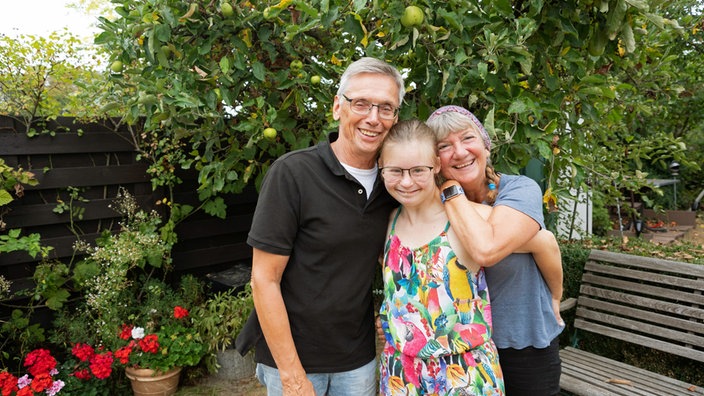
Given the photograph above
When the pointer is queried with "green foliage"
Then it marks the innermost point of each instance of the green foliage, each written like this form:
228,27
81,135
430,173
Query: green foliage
220,319
574,256
206,85
19,335
72,207
13,242
12,181
45,77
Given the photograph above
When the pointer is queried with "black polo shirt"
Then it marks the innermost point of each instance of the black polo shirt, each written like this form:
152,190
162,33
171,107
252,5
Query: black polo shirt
311,209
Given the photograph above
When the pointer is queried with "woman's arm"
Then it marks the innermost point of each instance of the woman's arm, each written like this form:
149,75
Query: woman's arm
543,245
488,239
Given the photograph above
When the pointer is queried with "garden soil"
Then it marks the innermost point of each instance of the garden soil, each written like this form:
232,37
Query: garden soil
251,387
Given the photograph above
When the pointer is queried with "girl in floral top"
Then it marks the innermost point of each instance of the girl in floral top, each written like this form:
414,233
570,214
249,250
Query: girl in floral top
436,314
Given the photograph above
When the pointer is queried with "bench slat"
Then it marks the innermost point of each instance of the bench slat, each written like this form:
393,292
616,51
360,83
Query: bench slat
648,263
584,371
640,340
581,375
659,292
646,303
649,276
642,314
672,335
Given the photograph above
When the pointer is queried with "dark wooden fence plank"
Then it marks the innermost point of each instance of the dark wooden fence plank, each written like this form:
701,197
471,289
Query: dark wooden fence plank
64,143
91,176
43,214
201,258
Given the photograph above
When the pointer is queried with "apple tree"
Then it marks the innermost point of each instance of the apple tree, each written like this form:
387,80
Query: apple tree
208,78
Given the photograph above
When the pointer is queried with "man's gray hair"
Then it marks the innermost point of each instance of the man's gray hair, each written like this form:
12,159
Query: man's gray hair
373,66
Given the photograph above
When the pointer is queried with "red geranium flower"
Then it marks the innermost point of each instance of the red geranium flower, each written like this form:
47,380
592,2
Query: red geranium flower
123,354
180,312
8,383
26,391
101,365
82,374
82,351
126,332
39,361
149,343
41,382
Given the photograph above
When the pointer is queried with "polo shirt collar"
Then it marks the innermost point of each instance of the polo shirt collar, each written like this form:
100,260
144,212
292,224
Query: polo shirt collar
331,161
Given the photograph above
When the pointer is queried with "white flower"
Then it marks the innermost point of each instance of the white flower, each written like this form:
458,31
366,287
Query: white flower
138,333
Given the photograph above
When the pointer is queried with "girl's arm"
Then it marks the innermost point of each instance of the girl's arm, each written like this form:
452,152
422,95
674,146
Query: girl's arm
546,253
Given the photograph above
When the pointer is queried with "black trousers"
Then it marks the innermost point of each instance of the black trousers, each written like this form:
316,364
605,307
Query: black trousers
532,371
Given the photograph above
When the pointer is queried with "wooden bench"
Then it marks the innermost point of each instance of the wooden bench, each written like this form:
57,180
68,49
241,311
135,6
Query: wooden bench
642,300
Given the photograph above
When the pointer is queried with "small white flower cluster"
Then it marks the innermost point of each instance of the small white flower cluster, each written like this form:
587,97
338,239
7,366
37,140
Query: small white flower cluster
137,244
4,287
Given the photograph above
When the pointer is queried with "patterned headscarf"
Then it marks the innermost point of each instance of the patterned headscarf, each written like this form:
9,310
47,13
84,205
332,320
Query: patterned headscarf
468,114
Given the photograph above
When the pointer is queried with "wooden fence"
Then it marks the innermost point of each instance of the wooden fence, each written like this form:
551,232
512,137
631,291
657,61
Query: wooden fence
95,165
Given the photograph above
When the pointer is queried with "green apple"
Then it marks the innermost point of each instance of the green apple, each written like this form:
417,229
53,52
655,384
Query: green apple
116,67
412,16
270,133
315,80
296,65
226,10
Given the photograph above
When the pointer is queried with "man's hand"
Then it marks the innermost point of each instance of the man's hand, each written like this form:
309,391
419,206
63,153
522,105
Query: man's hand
298,386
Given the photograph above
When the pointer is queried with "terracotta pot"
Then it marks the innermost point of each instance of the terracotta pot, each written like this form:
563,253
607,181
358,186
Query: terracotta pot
147,382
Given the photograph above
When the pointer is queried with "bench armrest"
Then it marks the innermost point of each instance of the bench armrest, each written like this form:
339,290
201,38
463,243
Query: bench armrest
567,304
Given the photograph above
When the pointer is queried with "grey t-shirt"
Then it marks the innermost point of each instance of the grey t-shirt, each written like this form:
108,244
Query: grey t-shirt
521,303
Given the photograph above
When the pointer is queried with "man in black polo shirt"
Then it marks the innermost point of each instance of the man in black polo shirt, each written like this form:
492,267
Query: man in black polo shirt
317,233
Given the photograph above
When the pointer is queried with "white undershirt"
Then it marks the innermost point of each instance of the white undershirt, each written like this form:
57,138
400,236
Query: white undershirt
366,177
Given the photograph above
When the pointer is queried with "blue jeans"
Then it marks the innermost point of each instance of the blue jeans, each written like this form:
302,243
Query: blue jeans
357,382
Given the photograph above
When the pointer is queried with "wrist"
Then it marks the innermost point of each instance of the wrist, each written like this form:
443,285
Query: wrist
451,192
449,183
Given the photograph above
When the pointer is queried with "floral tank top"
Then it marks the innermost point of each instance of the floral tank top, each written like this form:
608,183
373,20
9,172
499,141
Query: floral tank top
433,306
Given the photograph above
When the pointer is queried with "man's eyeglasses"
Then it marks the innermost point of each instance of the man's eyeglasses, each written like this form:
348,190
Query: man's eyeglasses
419,174
364,107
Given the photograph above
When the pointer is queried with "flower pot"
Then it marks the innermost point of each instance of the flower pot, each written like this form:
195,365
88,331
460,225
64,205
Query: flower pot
147,382
233,366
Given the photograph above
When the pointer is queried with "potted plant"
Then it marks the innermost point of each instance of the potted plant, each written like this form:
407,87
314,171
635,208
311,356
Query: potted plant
155,354
219,320
130,316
